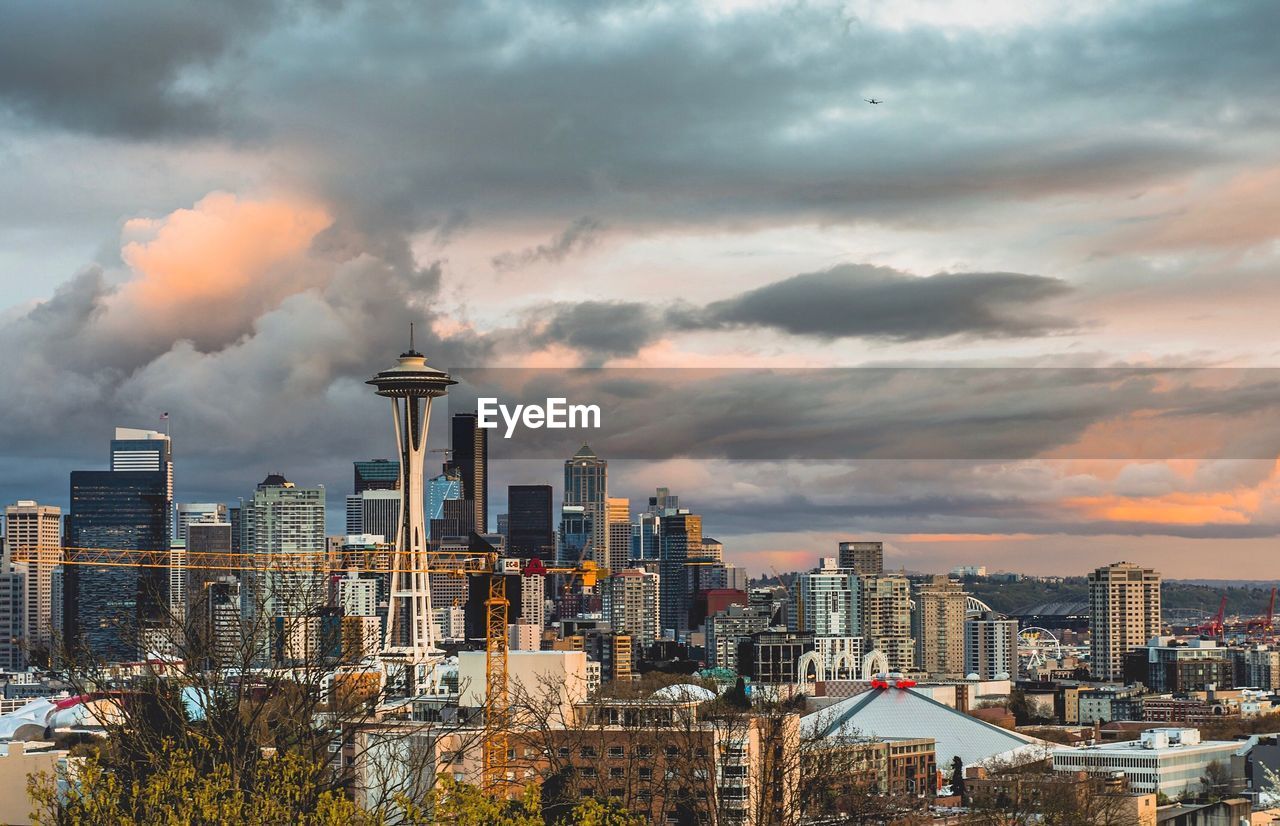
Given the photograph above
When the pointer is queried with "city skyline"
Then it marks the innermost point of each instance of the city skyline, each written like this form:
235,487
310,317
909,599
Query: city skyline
234,228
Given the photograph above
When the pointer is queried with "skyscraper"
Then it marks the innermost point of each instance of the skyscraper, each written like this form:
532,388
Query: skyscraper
530,525
470,456
33,546
445,487
617,533
1124,612
189,512
376,474
940,631
863,557
208,536
586,483
13,604
108,610
634,605
575,534
991,647
681,540
136,449
374,511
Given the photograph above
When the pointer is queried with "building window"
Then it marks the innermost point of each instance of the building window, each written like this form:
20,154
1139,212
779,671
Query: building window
616,752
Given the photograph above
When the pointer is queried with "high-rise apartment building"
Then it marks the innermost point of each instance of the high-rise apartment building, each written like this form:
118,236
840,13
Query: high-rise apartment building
617,534
531,532
470,456
1124,613
376,474
33,546
727,628
827,602
940,629
991,647
288,519
189,512
586,482
108,610
634,605
358,596
865,558
886,619
533,599
680,541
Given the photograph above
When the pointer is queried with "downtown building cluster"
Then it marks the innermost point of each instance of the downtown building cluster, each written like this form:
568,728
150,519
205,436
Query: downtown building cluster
901,682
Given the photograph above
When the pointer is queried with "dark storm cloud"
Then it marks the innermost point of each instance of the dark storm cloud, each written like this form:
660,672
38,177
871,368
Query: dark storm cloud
889,413
641,112
600,328
848,301
138,69
879,302
579,235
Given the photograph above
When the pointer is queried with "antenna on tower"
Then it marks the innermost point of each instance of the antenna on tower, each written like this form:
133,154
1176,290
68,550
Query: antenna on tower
410,336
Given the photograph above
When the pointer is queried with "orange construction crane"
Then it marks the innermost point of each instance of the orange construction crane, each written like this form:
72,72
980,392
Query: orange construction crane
461,563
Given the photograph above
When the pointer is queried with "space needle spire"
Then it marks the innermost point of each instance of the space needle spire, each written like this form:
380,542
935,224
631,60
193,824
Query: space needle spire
411,385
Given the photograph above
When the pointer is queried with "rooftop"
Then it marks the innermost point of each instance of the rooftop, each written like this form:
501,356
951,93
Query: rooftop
903,714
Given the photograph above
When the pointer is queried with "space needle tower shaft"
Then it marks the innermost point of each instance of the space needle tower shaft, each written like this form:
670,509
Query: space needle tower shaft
411,385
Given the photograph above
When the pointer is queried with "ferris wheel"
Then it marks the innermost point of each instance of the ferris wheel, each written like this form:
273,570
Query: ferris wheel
1036,646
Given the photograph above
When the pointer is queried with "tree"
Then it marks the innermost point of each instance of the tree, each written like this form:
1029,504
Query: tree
737,696
592,812
177,792
201,720
957,780
460,804
1217,780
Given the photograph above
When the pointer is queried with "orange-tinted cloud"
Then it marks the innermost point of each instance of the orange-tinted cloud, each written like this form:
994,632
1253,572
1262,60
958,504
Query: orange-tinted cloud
1239,505
1238,214
206,272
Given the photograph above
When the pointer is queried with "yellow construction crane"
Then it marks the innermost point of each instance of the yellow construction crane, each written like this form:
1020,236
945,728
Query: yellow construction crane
378,560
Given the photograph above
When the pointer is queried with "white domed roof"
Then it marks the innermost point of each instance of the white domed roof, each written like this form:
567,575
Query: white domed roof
683,692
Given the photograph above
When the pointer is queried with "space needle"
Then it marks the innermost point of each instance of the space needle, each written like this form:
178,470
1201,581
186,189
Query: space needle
409,645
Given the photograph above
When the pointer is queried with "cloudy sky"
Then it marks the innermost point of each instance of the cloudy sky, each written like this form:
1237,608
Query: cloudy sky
231,212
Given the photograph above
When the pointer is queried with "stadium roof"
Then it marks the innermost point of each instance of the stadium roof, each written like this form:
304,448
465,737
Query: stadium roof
1057,608
903,714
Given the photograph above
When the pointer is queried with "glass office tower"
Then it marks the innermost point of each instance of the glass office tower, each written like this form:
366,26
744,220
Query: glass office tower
108,610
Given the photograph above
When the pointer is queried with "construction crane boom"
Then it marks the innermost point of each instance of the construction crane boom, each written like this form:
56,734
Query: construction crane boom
378,560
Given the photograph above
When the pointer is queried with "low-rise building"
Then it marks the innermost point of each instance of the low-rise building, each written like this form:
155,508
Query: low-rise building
1169,761
1104,703
1094,798
1167,665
